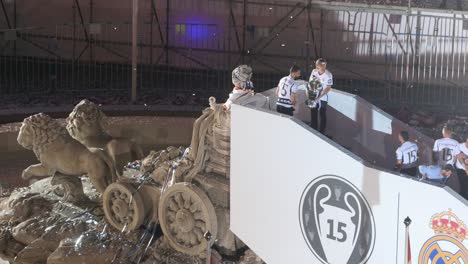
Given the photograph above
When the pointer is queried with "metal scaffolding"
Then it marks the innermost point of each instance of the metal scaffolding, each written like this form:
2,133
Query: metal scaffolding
400,53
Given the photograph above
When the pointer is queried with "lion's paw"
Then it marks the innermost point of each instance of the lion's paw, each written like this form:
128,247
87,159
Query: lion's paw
25,175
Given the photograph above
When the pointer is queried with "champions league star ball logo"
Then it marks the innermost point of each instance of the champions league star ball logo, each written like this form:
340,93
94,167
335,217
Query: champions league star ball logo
336,221
446,247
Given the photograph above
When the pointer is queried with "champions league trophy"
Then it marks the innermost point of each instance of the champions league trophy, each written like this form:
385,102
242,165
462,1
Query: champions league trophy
313,90
337,232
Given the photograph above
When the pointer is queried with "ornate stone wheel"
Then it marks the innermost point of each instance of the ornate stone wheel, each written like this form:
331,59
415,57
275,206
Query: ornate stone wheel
123,207
185,215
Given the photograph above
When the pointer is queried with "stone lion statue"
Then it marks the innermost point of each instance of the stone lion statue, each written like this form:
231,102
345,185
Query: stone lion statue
87,124
60,153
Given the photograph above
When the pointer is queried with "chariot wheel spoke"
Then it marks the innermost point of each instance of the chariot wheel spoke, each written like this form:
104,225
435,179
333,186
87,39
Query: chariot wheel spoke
123,207
185,213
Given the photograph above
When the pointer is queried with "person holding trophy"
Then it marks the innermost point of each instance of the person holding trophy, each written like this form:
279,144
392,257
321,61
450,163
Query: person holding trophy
320,84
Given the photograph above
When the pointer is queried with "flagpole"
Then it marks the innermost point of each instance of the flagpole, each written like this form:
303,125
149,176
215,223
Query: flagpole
407,223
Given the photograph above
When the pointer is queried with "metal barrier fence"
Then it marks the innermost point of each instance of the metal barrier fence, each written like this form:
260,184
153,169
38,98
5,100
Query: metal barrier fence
413,57
433,4
417,59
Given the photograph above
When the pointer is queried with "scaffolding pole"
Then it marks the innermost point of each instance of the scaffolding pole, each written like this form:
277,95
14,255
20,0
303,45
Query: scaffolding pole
134,50
5,14
244,29
168,6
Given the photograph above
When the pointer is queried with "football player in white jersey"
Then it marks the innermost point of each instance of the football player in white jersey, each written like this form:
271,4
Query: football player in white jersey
444,148
407,155
326,79
286,92
242,84
461,154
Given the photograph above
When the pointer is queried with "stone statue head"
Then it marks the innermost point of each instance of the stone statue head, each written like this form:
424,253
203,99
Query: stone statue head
39,130
85,120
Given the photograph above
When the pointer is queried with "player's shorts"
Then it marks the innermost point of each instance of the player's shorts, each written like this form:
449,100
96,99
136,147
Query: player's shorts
285,110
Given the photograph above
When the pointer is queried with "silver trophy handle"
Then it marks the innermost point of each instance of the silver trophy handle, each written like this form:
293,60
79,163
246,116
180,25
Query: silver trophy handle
321,202
358,226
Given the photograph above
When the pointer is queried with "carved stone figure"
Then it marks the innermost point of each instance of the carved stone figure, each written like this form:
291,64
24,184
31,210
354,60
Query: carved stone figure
72,188
58,152
198,200
87,124
50,231
185,191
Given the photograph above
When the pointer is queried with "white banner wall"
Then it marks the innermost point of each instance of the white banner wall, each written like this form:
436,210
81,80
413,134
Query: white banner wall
362,128
297,197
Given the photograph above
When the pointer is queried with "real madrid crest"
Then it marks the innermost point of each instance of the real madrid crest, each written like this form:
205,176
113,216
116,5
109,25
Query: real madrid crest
336,221
446,247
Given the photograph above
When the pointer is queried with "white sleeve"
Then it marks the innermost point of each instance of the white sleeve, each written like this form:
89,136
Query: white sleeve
330,80
436,146
457,150
233,96
228,102
399,154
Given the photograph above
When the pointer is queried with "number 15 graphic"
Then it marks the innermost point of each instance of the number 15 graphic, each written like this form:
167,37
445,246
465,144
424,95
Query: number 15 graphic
339,230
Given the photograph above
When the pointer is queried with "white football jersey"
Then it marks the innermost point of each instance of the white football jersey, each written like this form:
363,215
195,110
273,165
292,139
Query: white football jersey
326,79
460,149
286,87
444,149
408,154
